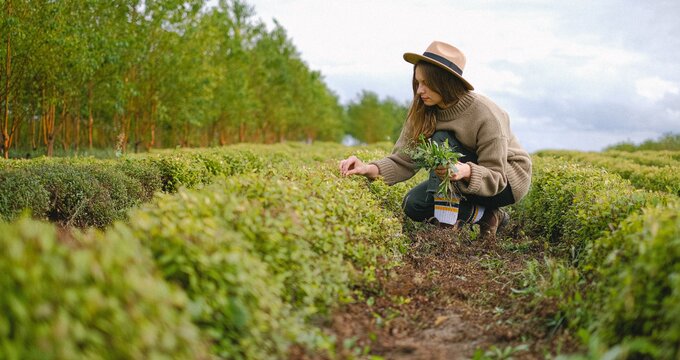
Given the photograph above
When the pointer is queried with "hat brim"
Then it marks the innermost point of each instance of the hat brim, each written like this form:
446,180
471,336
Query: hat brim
415,58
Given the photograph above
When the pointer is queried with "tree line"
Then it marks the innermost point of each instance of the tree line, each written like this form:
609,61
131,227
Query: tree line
138,74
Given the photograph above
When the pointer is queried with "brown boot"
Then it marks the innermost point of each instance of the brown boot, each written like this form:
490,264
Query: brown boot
492,221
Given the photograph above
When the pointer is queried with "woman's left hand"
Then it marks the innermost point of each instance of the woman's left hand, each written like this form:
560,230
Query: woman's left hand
463,172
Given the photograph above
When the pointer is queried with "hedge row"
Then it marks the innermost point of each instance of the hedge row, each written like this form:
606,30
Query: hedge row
654,178
89,192
638,267
649,157
259,258
619,276
92,296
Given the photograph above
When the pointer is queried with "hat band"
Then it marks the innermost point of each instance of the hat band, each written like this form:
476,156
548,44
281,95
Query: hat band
444,61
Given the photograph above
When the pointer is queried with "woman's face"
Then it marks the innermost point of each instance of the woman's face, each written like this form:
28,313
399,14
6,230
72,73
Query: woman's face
429,97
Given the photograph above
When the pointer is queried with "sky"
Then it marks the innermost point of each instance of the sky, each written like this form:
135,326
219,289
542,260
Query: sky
571,74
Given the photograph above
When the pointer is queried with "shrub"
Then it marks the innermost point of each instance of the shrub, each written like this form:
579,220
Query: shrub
179,169
638,270
76,197
124,191
260,265
145,172
87,296
21,190
662,177
623,274
234,299
571,205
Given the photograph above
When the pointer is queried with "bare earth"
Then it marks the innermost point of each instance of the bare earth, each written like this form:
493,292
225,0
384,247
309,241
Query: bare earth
452,299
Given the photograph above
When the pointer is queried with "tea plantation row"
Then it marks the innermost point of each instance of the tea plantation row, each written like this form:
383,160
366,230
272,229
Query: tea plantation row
241,268
651,170
617,274
90,192
260,242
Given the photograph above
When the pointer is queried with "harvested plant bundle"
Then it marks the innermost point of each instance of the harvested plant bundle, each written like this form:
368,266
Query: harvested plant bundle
429,155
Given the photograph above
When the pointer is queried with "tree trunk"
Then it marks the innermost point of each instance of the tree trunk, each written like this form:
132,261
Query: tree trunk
153,136
49,129
90,120
65,137
78,131
8,71
123,137
33,143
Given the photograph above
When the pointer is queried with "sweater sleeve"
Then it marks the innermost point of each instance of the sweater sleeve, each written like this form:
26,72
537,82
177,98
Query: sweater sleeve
398,166
487,176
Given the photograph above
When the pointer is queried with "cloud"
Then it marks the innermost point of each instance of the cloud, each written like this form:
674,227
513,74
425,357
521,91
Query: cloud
495,80
655,88
570,74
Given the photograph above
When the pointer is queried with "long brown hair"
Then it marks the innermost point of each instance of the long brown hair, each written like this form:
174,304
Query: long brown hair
421,118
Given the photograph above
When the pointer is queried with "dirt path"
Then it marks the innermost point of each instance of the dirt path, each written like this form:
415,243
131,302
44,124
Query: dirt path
451,300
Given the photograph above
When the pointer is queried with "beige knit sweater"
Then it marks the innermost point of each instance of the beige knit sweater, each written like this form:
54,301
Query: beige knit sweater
483,127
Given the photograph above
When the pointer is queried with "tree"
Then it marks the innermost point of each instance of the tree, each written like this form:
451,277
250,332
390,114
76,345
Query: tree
153,73
370,119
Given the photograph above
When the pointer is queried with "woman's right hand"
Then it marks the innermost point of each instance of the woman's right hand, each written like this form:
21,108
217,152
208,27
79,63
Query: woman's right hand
354,166
461,171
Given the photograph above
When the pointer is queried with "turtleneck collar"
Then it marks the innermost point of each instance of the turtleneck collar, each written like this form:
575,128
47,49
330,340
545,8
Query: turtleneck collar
454,111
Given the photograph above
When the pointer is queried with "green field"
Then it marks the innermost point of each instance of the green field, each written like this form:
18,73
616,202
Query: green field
249,251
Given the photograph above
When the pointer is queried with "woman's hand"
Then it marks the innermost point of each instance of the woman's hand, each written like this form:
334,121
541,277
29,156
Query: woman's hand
462,172
353,166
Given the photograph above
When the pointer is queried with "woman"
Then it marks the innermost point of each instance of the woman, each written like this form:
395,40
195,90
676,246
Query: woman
495,170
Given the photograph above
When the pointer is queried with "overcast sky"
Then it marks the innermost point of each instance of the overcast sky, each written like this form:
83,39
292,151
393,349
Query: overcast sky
571,74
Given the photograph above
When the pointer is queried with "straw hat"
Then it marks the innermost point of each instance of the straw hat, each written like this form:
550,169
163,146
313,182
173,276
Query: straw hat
447,57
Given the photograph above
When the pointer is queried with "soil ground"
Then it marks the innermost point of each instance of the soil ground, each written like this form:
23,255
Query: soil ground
454,298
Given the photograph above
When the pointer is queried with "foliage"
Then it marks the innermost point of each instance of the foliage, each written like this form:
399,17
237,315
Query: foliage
265,240
263,253
91,192
615,249
656,171
91,296
135,75
21,190
571,204
370,119
429,155
234,298
76,197
143,171
639,269
668,141
298,241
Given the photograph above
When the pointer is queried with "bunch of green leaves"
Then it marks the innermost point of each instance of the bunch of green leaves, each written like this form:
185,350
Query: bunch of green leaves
429,155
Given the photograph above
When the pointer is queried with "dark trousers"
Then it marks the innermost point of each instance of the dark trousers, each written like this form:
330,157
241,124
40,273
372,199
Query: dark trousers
419,201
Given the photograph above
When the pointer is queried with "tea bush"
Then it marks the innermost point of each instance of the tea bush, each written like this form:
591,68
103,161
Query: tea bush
654,178
21,190
143,171
234,298
638,270
301,239
573,204
615,272
124,183
649,158
76,197
91,192
87,296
